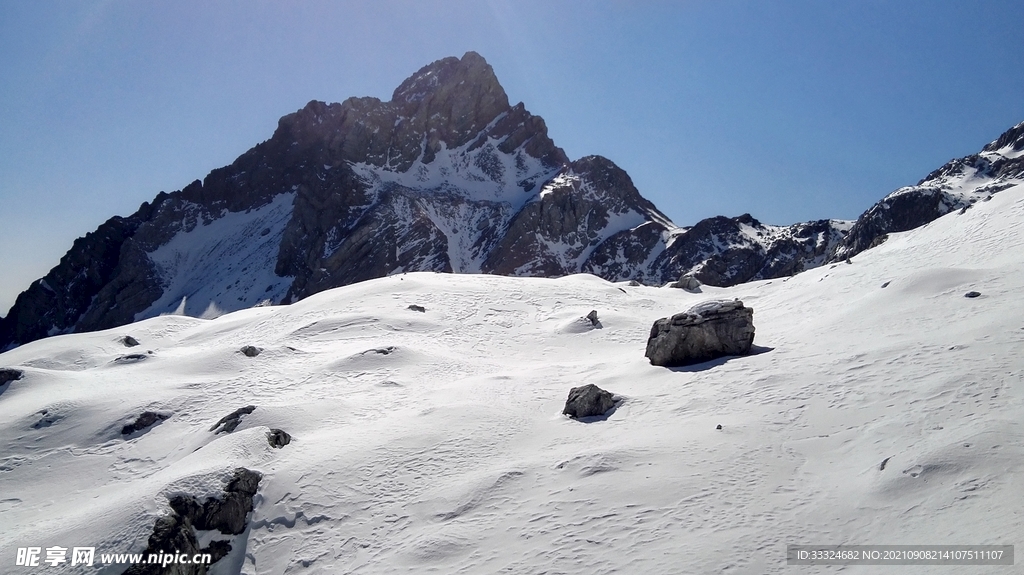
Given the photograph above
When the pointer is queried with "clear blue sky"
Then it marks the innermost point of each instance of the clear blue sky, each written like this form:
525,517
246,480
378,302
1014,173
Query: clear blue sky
788,110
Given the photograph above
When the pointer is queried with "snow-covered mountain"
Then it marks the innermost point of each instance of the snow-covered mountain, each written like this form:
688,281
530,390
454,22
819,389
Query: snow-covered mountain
882,407
446,176
958,185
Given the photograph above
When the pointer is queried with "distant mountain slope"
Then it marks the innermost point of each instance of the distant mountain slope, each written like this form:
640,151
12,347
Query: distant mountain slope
446,176
955,186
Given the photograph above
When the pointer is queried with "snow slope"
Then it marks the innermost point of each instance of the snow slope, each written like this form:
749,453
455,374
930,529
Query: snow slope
448,453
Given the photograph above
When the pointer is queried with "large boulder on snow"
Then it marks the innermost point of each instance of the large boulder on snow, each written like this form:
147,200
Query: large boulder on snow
706,331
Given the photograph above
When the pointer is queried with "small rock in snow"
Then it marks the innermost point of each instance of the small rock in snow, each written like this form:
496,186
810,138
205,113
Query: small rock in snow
587,401
278,438
250,350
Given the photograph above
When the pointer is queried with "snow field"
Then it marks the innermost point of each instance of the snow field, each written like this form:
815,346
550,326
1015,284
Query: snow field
433,442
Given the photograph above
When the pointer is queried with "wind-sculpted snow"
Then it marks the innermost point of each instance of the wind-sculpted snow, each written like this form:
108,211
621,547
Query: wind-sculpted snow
883,407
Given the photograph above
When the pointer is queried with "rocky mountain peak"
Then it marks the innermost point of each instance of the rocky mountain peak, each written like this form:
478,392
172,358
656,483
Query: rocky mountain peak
1012,139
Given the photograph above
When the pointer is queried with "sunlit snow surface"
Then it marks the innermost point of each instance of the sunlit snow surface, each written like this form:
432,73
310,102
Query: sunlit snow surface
449,453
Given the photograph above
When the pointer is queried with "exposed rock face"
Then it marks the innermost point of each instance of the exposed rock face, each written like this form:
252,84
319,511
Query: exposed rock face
129,341
177,532
706,331
955,186
588,401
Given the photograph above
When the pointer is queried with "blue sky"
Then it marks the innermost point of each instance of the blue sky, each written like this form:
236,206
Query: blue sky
788,110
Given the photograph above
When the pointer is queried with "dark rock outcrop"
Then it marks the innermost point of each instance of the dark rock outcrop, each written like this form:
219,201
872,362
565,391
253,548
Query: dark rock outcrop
588,401
144,421
129,341
706,331
230,422
972,294
592,317
419,308
176,532
9,374
278,438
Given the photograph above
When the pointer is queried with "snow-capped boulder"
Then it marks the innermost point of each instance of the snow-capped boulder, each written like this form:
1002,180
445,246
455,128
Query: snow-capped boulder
706,331
587,401
145,420
688,283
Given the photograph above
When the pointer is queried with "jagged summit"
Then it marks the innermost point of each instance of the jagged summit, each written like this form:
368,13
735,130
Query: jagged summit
446,105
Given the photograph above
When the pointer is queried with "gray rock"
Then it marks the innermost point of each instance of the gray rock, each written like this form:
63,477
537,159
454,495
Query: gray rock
230,421
687,282
587,401
278,438
706,331
146,419
592,317
8,374
176,532
129,341
418,308
972,294
250,350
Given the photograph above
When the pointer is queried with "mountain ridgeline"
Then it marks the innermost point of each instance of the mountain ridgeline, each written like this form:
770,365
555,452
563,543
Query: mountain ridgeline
447,176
